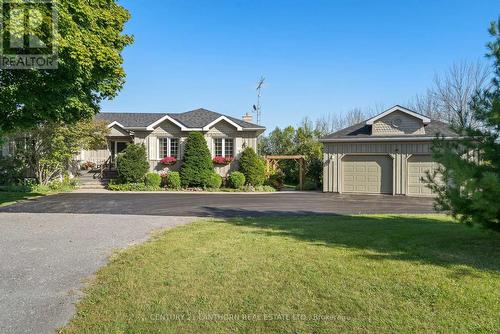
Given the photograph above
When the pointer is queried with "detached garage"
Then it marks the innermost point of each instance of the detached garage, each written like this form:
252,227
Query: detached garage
387,154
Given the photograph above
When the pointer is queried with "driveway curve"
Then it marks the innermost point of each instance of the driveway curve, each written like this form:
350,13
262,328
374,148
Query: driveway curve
222,205
45,257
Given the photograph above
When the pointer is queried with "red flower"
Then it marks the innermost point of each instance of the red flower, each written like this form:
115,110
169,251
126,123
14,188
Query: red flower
222,160
168,160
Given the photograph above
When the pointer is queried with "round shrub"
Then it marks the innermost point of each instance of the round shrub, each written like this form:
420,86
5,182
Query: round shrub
197,161
213,181
173,180
152,179
276,180
253,167
132,165
237,180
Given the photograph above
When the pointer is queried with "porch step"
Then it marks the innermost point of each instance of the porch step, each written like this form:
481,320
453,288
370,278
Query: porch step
90,180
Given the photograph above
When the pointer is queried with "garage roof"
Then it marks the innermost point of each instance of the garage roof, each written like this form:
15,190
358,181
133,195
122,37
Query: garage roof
363,131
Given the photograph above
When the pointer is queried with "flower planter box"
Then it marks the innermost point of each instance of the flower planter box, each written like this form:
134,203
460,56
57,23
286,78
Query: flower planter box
222,161
168,161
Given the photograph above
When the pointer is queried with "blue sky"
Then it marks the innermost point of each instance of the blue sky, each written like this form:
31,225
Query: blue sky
319,57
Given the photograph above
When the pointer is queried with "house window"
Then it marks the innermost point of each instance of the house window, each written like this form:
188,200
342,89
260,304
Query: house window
228,148
168,147
174,147
219,144
163,146
223,147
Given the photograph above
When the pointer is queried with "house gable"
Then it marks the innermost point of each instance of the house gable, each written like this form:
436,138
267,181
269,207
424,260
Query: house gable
115,130
398,123
169,129
222,129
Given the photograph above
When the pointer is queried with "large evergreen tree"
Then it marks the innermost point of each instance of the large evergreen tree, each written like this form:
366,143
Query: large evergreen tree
470,185
198,165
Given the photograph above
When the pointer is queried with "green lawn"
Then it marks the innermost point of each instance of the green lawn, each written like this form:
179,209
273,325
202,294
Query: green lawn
7,198
361,274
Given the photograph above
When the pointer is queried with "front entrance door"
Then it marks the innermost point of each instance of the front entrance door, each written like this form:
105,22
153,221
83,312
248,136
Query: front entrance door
120,146
117,147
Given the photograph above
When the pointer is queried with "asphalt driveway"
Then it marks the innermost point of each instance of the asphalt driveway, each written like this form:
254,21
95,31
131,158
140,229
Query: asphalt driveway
48,245
45,257
221,205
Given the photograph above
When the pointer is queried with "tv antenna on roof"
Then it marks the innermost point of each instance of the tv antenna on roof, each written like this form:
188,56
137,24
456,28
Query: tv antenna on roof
256,107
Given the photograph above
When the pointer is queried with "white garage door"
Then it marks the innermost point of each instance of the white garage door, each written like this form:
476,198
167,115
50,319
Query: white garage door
367,174
418,166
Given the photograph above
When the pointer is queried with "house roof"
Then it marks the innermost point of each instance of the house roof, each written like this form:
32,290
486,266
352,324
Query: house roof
423,118
363,130
195,119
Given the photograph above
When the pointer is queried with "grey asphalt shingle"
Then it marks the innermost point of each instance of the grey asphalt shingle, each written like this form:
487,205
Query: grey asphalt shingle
133,120
192,119
361,130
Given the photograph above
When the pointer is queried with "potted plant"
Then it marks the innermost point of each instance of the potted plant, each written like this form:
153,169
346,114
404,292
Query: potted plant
223,160
88,165
168,161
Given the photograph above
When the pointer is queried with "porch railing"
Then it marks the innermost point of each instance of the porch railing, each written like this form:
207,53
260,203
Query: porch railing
107,164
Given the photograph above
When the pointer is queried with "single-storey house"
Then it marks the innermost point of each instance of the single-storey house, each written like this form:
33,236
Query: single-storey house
164,135
386,154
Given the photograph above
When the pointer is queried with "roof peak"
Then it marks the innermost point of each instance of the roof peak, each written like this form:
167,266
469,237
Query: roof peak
397,107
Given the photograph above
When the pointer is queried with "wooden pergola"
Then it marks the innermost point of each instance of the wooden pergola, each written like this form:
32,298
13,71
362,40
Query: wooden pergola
272,161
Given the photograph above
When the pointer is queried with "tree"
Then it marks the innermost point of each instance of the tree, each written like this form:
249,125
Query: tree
253,167
132,164
450,97
89,41
301,141
334,122
470,186
198,165
48,149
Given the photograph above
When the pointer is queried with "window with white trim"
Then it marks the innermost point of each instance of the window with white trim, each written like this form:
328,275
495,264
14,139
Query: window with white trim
223,147
168,147
228,147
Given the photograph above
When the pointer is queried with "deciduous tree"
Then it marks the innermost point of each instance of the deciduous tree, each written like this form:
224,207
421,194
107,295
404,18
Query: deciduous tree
48,149
90,41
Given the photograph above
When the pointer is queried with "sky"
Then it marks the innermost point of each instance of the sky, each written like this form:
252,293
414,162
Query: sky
318,57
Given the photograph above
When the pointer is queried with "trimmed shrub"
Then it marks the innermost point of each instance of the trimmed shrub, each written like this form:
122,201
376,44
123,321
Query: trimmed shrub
11,170
214,181
198,163
253,167
132,164
173,180
276,180
152,179
265,189
114,186
308,185
237,180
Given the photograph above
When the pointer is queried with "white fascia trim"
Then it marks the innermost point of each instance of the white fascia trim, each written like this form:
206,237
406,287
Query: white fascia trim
425,120
341,140
110,125
167,117
254,129
222,118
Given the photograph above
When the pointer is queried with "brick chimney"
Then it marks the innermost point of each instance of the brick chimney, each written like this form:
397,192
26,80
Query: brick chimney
247,118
